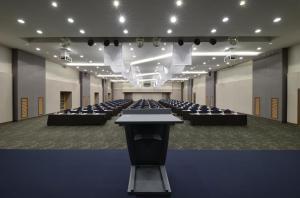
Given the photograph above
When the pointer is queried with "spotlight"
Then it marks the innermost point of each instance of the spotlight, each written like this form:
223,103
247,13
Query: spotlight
212,41
106,43
140,42
197,41
91,42
180,42
116,43
156,42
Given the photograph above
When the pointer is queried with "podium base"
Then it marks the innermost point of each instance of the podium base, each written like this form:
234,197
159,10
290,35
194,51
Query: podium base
148,179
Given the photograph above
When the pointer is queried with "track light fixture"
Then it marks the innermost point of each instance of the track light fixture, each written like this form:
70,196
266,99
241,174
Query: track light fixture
212,41
197,41
116,43
180,42
106,43
91,42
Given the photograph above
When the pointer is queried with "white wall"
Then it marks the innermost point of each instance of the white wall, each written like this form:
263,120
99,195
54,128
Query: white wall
6,98
234,88
60,79
147,92
293,84
176,91
118,91
185,91
199,87
153,96
96,87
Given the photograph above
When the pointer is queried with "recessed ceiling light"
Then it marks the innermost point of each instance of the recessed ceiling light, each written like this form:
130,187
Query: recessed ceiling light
165,44
158,63
90,61
259,48
69,49
214,30
257,31
242,3
169,31
270,43
214,58
71,20
277,20
241,58
39,31
195,48
125,31
38,49
100,49
54,4
81,56
129,44
227,63
173,19
226,48
131,49
122,19
209,68
163,49
21,21
82,31
179,3
116,3
97,67
225,19
77,67
54,56
218,65
85,70
204,63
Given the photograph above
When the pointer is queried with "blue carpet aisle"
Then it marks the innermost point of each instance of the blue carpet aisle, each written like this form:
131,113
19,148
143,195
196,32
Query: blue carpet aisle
104,173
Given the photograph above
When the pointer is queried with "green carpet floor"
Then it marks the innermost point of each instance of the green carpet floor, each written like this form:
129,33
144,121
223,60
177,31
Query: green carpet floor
259,134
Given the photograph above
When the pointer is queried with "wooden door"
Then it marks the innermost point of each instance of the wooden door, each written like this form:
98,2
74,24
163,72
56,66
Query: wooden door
24,108
257,106
62,101
194,97
274,108
298,106
41,106
96,101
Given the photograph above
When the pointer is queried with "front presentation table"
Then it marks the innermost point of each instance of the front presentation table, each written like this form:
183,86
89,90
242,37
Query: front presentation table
147,134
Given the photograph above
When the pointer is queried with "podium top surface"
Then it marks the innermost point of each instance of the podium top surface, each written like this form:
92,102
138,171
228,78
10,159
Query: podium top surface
148,119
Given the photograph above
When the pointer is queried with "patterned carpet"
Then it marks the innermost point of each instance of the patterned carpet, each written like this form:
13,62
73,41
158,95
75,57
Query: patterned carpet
260,134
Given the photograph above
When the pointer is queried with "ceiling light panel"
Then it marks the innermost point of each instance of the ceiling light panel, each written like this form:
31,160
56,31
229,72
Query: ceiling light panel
116,3
21,21
122,19
70,20
54,4
173,19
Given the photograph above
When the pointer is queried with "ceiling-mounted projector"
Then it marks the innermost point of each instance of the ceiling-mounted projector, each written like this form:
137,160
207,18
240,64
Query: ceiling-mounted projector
230,58
65,55
64,50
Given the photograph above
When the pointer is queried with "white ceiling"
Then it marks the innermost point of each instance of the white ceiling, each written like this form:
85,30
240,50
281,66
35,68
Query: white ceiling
148,18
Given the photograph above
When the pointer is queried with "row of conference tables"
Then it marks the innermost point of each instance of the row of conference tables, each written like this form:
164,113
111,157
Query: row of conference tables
89,115
205,116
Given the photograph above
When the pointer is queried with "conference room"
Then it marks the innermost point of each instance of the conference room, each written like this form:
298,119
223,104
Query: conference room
149,98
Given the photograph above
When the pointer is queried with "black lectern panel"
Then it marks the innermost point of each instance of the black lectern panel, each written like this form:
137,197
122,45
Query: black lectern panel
147,135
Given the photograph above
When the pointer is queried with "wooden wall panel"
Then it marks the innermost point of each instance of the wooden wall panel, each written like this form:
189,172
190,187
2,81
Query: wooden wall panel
41,106
24,108
257,106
